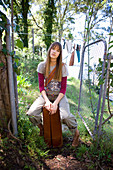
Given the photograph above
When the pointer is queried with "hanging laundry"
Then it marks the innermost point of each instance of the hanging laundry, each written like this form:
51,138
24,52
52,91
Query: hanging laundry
64,43
71,63
78,52
69,46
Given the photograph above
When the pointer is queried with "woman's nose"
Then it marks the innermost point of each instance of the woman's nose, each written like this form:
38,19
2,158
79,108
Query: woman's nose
54,51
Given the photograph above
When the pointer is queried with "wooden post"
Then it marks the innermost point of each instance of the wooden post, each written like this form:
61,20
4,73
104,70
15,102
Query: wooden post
11,79
15,75
33,42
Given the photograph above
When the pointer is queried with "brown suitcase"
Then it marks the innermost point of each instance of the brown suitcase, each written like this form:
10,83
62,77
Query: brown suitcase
52,128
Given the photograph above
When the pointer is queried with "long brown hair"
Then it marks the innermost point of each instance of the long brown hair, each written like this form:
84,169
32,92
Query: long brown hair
58,73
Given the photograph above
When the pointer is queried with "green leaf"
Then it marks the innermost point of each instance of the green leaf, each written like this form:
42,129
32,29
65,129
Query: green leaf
111,65
2,25
110,47
85,7
17,28
101,81
16,57
19,43
3,16
1,64
72,22
4,50
90,70
90,13
110,42
11,53
110,33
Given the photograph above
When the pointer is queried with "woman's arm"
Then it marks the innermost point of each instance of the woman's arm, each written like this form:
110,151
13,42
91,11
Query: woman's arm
47,101
43,92
54,106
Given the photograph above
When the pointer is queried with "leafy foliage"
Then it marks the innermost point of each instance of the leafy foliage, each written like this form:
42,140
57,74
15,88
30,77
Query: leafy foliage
30,135
20,11
99,72
28,67
49,15
2,23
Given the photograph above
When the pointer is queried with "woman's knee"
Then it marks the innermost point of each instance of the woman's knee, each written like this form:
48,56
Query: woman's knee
35,120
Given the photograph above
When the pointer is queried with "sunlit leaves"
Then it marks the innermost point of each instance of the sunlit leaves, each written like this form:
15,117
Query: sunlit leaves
111,42
19,43
2,22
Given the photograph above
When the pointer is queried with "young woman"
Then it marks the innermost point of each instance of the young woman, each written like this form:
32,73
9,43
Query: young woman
53,94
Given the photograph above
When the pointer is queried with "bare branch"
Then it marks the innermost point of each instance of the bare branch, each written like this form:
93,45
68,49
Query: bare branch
107,119
35,20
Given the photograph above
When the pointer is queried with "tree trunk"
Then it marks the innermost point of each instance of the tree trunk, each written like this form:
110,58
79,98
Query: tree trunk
5,107
49,20
25,8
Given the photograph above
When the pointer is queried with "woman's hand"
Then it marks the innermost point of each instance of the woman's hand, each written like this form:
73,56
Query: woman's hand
54,107
48,105
47,101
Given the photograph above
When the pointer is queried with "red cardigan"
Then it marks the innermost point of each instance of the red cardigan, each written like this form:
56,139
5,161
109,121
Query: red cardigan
41,83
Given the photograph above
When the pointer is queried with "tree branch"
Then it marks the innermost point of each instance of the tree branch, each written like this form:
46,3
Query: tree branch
35,21
107,119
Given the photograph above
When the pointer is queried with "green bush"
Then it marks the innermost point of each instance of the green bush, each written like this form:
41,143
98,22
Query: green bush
29,134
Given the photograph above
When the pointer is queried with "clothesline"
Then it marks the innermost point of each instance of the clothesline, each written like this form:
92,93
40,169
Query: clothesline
74,39
36,34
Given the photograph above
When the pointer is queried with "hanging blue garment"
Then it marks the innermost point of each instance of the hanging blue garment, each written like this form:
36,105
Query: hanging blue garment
64,44
78,53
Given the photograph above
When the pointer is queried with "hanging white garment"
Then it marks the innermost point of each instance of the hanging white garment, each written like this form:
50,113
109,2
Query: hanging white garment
69,46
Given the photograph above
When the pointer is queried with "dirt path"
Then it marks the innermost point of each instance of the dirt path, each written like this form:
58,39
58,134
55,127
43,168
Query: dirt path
15,156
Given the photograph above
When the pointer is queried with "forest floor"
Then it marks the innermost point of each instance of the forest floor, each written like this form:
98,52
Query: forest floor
14,156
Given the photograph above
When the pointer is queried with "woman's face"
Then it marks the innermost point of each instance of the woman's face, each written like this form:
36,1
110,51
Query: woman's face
54,52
